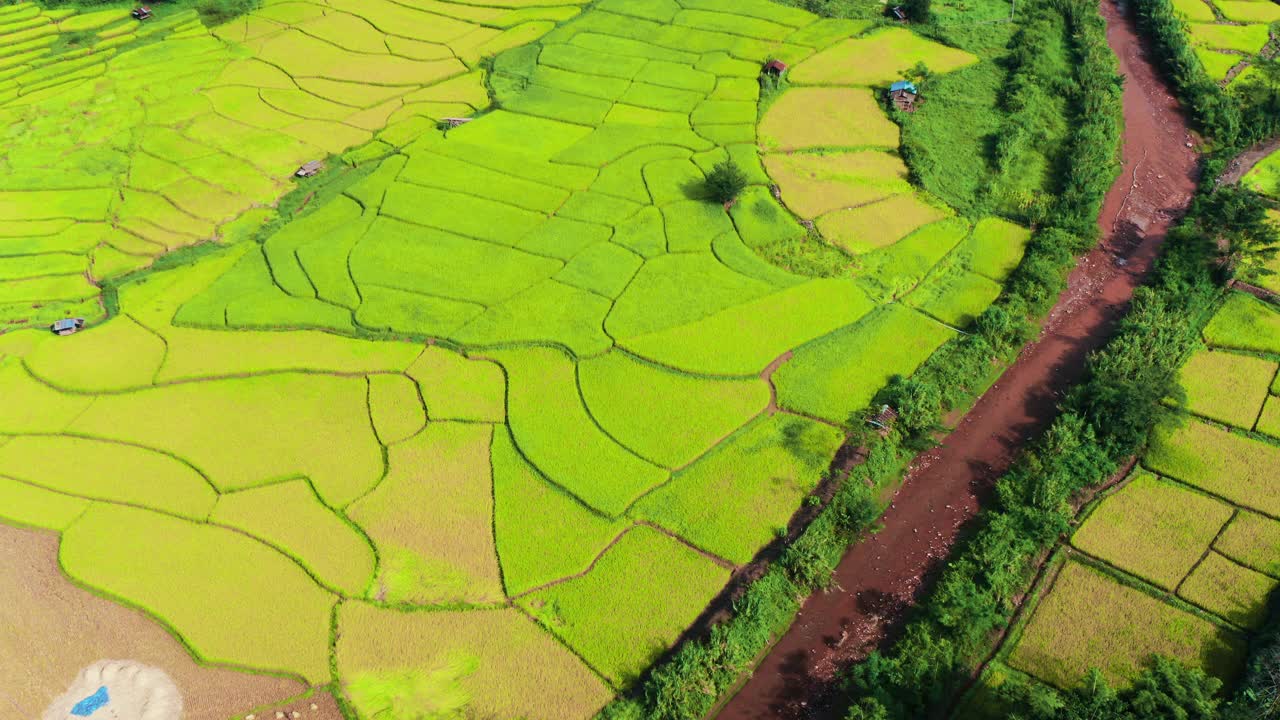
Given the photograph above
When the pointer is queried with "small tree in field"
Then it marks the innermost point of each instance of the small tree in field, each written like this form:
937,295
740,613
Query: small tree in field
725,182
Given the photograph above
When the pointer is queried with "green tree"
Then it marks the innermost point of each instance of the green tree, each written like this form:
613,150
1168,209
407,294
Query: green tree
1237,222
919,406
725,182
920,11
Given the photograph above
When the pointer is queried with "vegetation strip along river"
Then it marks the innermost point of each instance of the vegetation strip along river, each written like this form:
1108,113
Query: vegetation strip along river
879,578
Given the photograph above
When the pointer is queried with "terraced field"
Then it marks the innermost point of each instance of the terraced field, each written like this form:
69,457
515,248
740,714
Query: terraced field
1179,555
489,410
1228,34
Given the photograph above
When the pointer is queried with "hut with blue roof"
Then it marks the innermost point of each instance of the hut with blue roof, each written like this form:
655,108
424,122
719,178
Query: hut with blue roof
903,95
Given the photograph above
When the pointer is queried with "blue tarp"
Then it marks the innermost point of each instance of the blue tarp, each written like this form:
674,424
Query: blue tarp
91,704
903,85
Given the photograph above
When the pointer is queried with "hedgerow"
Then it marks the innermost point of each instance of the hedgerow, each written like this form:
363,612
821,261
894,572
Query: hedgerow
1215,112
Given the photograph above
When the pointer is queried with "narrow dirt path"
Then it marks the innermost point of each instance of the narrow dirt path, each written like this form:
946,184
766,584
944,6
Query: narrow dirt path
1245,161
881,577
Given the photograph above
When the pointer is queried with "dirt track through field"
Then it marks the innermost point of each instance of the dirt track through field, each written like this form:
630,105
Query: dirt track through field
881,577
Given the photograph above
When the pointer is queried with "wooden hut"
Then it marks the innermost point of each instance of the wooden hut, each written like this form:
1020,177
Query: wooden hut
69,326
310,169
884,420
774,68
142,12
904,96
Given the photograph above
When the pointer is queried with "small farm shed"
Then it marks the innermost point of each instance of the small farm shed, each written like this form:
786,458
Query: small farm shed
897,13
454,122
774,68
310,169
883,421
69,326
904,95
142,12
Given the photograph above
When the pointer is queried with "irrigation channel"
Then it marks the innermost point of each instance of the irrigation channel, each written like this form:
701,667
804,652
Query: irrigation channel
880,578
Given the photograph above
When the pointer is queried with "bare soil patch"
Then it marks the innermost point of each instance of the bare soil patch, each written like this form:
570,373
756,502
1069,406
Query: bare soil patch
51,629
882,577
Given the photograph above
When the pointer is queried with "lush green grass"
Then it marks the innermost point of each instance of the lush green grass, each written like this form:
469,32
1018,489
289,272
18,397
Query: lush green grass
667,417
1247,39
544,407
1068,634
488,662
456,388
1225,464
543,533
1269,420
289,517
431,519
395,407
1153,528
1253,540
1230,591
954,295
32,506
826,117
743,340
285,425
681,288
1245,323
1225,387
569,219
612,616
207,584
814,184
994,248
879,224
836,376
120,473
735,499
879,59
1265,176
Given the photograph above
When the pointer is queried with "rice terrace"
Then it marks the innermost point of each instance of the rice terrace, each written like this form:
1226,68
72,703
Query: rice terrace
639,359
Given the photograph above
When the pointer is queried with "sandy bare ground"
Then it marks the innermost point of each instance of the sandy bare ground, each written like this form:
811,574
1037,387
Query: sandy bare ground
50,629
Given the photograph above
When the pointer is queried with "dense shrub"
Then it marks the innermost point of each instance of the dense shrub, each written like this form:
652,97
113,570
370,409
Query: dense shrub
975,598
1105,419
725,182
689,683
1216,114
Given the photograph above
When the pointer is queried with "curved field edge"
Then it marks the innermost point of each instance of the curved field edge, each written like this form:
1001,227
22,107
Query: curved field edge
960,371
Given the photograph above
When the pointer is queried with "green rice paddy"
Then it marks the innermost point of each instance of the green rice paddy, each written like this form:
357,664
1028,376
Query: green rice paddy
1227,35
1181,559
478,420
